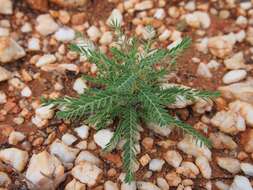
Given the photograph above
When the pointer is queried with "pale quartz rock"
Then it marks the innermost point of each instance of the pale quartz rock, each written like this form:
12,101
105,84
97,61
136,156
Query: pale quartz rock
190,6
198,19
144,5
234,76
39,122
26,27
241,21
93,33
87,157
164,35
202,45
162,183
82,131
221,141
5,181
4,32
33,44
106,38
240,36
156,164
236,61
82,145
45,112
15,137
26,92
15,157
87,173
3,97
229,122
10,50
188,169
42,165
231,165
173,158
80,85
242,91
68,139
201,106
109,185
75,185
16,83
4,74
189,146
142,185
221,185
160,14
103,137
163,131
245,109
46,60
65,153
204,71
204,167
247,168
213,65
46,25
64,34
6,7
240,183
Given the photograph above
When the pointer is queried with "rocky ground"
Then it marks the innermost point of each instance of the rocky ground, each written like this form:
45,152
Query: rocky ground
38,151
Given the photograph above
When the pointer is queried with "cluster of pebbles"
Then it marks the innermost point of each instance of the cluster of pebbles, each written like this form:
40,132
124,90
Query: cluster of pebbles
38,151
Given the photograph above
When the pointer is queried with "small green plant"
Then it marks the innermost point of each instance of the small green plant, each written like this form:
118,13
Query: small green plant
128,91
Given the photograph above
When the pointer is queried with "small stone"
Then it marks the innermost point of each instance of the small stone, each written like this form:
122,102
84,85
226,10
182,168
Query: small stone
197,19
229,122
213,64
3,97
65,34
173,158
70,3
156,164
10,50
45,60
94,33
204,167
165,35
65,153
86,173
4,74
64,17
16,137
220,46
41,167
15,157
240,183
46,25
6,7
4,32
221,185
82,145
103,137
162,183
68,139
247,140
5,181
173,179
144,160
106,38
45,112
247,169
159,14
142,185
109,185
82,131
163,131
75,185
204,71
236,61
188,169
189,146
79,86
148,142
232,165
221,141
26,28
241,21
234,76
144,5
87,157
26,92
33,44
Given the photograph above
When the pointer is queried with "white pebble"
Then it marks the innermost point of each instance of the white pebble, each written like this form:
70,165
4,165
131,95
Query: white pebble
106,38
156,164
159,14
165,35
247,168
68,139
34,44
45,60
26,92
103,137
3,97
82,131
26,28
93,33
234,76
79,86
65,34
4,32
